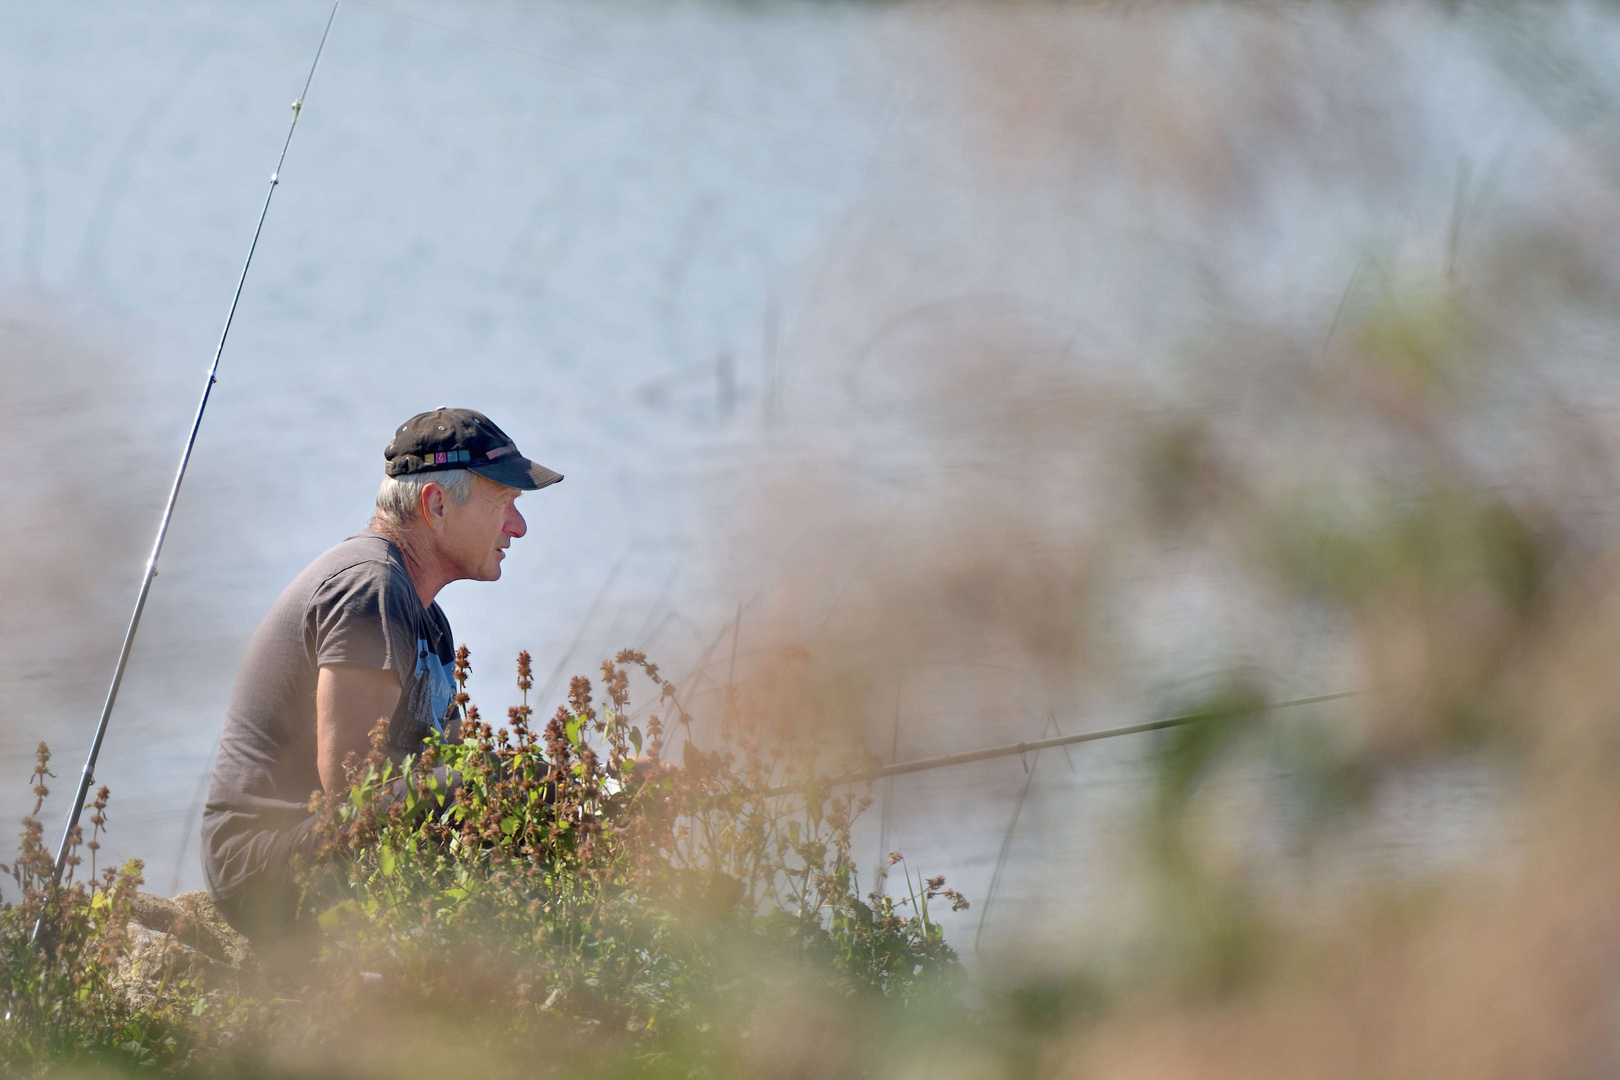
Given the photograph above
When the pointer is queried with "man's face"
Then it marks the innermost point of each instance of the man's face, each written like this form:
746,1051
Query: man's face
473,536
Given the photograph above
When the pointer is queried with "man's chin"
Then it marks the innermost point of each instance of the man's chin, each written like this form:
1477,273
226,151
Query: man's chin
491,569
488,572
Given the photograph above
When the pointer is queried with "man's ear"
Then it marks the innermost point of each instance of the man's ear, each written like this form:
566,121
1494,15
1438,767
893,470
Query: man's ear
433,504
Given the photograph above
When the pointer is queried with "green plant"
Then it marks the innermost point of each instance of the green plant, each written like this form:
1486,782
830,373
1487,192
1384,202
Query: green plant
62,993
562,887
611,891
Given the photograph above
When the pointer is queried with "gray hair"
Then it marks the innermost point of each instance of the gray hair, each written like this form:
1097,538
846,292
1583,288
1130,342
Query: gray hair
399,500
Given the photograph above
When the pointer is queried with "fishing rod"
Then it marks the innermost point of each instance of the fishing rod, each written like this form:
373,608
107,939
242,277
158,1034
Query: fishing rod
87,777
944,761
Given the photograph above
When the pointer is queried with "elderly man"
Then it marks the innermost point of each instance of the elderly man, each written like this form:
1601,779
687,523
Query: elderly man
355,638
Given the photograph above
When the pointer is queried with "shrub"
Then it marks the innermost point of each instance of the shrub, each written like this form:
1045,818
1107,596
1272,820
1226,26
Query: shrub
62,993
608,890
569,889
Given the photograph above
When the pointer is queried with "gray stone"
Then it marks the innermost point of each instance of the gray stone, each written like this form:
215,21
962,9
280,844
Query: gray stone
183,939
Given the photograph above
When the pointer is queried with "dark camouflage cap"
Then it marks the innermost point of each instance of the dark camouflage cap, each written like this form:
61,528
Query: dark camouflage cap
463,439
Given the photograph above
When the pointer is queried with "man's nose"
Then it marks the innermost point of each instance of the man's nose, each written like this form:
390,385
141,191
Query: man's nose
514,525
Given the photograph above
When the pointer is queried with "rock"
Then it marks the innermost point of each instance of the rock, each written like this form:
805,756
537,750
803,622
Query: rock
182,939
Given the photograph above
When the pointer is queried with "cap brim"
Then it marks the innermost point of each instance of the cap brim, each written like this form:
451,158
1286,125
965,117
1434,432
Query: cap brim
518,472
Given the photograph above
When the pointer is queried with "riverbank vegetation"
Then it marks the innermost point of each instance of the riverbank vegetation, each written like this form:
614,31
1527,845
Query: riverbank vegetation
573,901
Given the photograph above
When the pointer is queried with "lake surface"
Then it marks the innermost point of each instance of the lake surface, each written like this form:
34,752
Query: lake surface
657,243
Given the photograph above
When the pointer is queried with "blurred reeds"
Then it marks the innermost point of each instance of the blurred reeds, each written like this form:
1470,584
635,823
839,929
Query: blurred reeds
1237,483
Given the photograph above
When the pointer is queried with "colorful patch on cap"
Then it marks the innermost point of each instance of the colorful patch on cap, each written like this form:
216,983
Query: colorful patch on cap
500,451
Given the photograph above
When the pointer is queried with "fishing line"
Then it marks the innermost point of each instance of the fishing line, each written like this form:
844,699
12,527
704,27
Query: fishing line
88,776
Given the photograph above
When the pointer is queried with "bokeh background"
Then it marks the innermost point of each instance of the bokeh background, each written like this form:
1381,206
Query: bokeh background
1038,366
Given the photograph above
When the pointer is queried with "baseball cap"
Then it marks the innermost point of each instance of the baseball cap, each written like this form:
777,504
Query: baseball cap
463,439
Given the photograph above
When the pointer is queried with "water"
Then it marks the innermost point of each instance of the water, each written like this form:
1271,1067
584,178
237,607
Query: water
457,223
633,233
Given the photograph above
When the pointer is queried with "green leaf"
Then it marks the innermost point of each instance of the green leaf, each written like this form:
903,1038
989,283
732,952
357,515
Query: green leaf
386,860
330,918
635,738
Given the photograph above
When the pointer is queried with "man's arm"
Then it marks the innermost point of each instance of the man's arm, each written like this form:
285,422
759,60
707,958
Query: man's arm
348,703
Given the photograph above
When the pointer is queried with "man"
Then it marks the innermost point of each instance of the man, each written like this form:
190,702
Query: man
355,638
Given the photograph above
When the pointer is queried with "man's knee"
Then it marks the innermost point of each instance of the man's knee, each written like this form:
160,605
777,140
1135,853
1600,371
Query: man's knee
267,901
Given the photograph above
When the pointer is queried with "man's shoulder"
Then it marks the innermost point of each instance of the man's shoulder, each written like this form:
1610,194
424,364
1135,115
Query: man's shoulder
360,550
363,556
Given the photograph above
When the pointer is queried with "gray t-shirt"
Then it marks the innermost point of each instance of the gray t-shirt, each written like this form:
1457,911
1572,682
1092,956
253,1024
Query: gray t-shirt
354,606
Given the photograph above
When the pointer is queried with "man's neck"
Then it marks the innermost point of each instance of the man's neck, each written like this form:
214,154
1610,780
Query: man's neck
427,571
